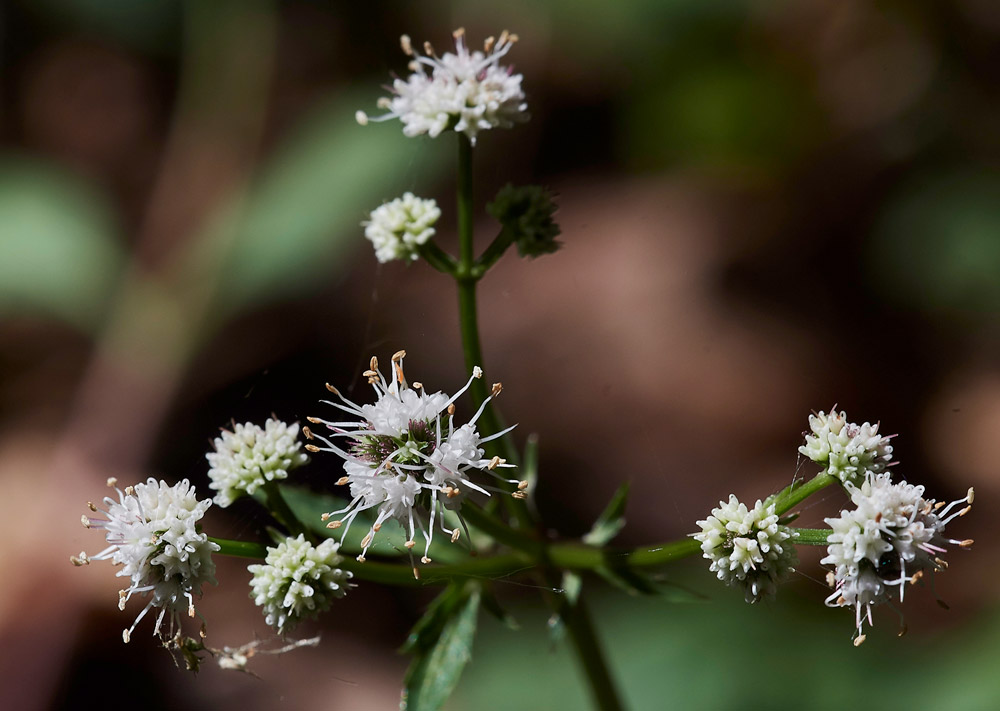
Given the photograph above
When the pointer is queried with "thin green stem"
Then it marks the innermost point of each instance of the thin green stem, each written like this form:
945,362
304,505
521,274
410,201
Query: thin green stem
239,549
812,536
580,626
431,253
282,513
794,495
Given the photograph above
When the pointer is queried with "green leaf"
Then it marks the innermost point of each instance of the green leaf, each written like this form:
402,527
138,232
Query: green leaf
433,675
308,508
492,606
427,630
611,521
58,255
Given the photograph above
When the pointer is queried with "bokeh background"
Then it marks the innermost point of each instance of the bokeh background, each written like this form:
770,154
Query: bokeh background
767,208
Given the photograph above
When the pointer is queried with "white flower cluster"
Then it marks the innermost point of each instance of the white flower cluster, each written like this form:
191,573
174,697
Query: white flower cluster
466,91
848,451
747,547
249,457
404,452
297,580
396,229
892,537
153,534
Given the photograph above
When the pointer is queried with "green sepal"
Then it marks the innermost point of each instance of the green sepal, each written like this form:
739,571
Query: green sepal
611,520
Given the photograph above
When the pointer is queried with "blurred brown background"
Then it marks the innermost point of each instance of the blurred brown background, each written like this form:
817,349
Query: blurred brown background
767,208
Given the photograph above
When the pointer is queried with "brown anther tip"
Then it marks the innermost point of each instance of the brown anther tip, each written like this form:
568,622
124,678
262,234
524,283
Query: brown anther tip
410,544
477,372
971,495
343,481
417,385
112,482
324,517
519,495
878,517
428,49
79,560
512,38
488,44
307,432
425,560
370,374
130,491
967,543
361,559
315,420
90,505
332,389
190,610
831,579
938,505
494,463
416,573
916,576
85,521
366,541
373,363
522,485
503,36
377,527
335,524
859,640
451,409
458,33
964,511
406,44
313,448
398,356
455,534
942,563
126,636
497,389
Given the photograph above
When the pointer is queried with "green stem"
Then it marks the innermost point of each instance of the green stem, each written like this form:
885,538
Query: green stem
812,536
239,549
794,495
282,513
580,626
431,253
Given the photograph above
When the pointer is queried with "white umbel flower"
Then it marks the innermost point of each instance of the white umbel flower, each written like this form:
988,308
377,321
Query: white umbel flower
397,229
892,537
403,453
250,456
748,547
848,451
153,534
298,580
466,91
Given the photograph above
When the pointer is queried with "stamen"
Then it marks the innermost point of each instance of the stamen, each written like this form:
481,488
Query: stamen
455,534
425,560
307,432
859,640
112,482
497,389
361,117
398,356
332,389
343,481
406,45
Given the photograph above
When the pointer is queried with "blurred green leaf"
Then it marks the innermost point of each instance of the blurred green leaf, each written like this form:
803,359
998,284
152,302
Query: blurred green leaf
427,630
309,507
611,520
433,676
58,251
937,247
304,211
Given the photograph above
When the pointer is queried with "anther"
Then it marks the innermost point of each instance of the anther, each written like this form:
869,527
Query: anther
398,356
410,544
335,524
458,33
416,573
477,372
79,560
315,420
360,559
497,389
451,409
425,560
494,463
860,640
971,495
361,117
455,534
313,448
377,527
942,563
967,543
324,517
126,636
406,45
331,389
85,521
370,374
418,386
503,37
130,491
373,363
488,44
429,49
307,432
916,576
366,541
522,485
90,505
831,579
964,511
519,495
112,482
342,481
878,517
